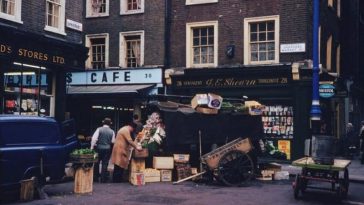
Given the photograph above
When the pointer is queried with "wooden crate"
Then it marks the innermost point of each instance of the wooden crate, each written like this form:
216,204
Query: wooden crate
84,180
163,163
137,165
137,178
27,189
152,175
181,158
166,175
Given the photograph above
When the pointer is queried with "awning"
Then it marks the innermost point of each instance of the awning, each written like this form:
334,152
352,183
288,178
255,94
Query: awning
107,89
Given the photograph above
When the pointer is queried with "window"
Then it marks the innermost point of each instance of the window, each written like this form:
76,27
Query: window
55,15
191,2
98,51
131,7
261,40
11,10
132,49
97,8
201,44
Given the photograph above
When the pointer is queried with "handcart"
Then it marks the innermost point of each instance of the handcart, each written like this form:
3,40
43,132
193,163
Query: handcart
230,163
337,174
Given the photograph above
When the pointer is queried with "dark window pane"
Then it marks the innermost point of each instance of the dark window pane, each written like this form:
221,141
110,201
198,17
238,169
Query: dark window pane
203,31
196,32
262,56
271,36
253,27
262,47
253,37
203,41
271,55
270,25
211,31
262,37
196,41
211,40
262,27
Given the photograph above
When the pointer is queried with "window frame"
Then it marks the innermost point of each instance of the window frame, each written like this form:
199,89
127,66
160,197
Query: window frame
89,13
189,41
88,38
61,19
124,8
194,2
247,52
122,47
17,13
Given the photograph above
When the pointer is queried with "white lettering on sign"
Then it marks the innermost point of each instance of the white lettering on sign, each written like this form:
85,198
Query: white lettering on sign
74,25
112,77
293,48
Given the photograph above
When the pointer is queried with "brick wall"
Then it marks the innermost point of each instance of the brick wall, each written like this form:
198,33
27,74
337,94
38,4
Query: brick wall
294,26
151,21
34,15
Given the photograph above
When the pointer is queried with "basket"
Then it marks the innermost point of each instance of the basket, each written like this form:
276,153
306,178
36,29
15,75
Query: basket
83,158
141,154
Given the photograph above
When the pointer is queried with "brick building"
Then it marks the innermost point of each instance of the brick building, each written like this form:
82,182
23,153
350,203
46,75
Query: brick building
126,41
262,50
38,46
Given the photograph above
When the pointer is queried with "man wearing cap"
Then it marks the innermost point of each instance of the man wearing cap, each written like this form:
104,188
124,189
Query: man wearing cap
101,141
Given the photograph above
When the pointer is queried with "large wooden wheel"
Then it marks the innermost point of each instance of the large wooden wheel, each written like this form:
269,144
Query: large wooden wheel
235,167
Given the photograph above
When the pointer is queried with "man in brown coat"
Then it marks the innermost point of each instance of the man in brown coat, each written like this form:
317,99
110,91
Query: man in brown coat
121,151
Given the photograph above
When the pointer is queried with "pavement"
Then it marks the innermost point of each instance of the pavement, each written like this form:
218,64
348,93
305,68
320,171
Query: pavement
356,170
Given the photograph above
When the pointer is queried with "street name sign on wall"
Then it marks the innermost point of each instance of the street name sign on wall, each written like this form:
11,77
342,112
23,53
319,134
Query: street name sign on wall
293,48
326,90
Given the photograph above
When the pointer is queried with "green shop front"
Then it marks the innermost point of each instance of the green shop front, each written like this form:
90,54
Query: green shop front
287,100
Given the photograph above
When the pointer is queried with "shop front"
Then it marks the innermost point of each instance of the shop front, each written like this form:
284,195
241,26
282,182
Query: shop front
32,73
114,93
287,101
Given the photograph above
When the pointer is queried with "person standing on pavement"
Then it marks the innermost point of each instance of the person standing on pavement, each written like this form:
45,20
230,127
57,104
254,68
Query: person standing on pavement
101,141
361,136
121,151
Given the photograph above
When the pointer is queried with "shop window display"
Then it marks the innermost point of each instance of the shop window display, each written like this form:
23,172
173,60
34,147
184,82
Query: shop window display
278,130
27,93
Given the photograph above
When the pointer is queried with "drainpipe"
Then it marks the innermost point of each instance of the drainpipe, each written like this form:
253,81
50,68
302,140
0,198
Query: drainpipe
167,43
315,106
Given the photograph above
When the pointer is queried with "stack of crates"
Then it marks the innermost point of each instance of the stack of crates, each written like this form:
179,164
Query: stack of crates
165,166
183,168
137,167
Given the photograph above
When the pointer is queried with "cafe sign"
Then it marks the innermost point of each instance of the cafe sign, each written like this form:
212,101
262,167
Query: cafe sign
326,90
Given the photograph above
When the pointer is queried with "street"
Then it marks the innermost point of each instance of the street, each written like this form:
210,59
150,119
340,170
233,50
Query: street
190,193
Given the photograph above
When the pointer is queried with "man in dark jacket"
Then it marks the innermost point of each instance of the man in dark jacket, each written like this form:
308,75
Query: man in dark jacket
101,141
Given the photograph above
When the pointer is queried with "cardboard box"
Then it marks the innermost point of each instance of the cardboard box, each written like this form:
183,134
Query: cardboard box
137,178
199,100
207,110
181,158
137,165
215,101
166,175
152,175
163,163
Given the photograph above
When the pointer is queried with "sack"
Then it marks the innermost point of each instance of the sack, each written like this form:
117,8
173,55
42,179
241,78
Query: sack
140,154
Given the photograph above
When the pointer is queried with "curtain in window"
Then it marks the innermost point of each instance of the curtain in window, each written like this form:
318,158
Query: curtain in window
139,2
136,51
96,5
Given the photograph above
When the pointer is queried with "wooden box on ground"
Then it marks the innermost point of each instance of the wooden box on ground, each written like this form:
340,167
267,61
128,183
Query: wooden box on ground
152,175
137,165
27,189
183,171
181,158
137,178
163,163
166,175
84,180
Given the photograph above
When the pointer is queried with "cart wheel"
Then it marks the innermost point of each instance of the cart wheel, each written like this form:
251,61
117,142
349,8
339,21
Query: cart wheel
296,186
235,167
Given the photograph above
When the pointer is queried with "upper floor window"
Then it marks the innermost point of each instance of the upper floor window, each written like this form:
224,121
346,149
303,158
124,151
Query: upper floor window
98,51
11,10
132,49
97,8
261,40
131,6
55,15
191,2
201,44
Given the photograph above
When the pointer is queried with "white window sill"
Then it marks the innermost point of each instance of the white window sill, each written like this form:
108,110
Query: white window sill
201,2
261,62
97,15
10,18
54,30
132,12
203,65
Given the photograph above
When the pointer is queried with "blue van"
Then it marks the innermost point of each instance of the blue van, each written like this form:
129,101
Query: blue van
34,147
